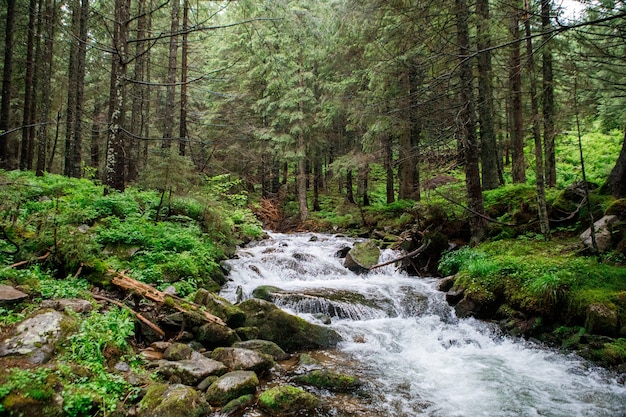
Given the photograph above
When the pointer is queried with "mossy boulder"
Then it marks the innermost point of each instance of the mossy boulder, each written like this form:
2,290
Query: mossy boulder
238,404
220,307
362,257
266,292
290,332
191,371
601,319
177,352
243,359
213,335
264,346
231,386
287,400
330,380
163,400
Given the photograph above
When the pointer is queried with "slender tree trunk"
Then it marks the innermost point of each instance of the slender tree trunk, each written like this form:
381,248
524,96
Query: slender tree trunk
302,179
408,170
145,114
542,209
116,146
5,105
183,81
548,96
467,126
349,187
317,182
138,93
45,75
490,179
168,131
363,184
388,164
26,158
515,80
95,139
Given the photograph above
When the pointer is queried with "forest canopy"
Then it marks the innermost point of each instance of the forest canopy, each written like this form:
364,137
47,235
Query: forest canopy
153,92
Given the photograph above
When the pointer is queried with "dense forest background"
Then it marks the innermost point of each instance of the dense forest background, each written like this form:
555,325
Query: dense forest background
291,95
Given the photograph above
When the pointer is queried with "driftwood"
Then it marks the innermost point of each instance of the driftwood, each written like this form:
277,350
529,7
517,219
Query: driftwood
138,315
186,307
408,255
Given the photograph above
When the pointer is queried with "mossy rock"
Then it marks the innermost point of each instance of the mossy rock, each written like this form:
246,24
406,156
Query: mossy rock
213,335
163,400
330,380
247,333
289,400
290,332
602,319
177,352
362,257
266,292
220,307
238,404
264,346
231,386
617,208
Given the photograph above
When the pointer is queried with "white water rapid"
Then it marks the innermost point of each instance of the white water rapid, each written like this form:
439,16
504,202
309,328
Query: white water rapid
419,358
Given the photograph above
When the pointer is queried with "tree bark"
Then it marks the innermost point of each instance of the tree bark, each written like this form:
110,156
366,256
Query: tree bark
542,209
183,133
168,131
26,154
489,153
138,93
45,75
616,183
116,146
388,164
467,126
5,105
548,96
515,85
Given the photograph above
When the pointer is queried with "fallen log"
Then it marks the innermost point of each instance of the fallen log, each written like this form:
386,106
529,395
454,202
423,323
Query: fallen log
140,317
188,308
403,257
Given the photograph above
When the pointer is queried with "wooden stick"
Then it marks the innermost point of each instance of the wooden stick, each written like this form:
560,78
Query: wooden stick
138,315
41,258
408,255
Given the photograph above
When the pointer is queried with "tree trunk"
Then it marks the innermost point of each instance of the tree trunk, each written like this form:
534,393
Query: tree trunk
467,126
26,154
548,96
349,187
116,146
138,94
95,140
45,75
515,82
616,183
183,82
388,164
5,105
408,169
168,131
489,153
542,209
362,184
302,179
72,77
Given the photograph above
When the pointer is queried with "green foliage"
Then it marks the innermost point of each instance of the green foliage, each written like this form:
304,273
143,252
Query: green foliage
28,383
63,288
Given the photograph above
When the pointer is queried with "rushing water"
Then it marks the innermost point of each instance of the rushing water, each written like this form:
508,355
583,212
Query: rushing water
419,358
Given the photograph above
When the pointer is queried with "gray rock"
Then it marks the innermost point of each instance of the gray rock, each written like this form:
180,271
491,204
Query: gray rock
264,346
232,386
213,335
602,320
178,352
35,337
239,359
362,257
162,400
191,371
603,232
9,295
77,305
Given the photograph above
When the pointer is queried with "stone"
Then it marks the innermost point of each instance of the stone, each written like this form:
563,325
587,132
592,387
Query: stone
291,333
77,305
177,352
237,404
330,380
289,400
191,371
10,295
213,335
446,283
362,257
240,359
162,400
247,333
266,292
220,307
35,337
264,346
602,320
603,231
232,386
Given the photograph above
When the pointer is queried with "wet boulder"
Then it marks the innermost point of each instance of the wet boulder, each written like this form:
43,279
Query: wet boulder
231,386
330,380
362,257
266,292
36,338
238,404
163,400
287,400
240,359
290,332
191,371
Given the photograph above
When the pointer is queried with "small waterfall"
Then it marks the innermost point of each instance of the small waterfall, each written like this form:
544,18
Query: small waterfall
400,334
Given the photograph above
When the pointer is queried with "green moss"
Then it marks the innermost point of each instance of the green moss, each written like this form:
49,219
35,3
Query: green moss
323,378
287,399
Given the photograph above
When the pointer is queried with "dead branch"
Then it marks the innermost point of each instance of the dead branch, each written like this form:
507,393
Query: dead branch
408,255
140,317
41,258
186,307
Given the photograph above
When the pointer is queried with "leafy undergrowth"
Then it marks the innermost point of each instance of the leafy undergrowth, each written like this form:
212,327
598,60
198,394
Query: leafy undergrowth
58,239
